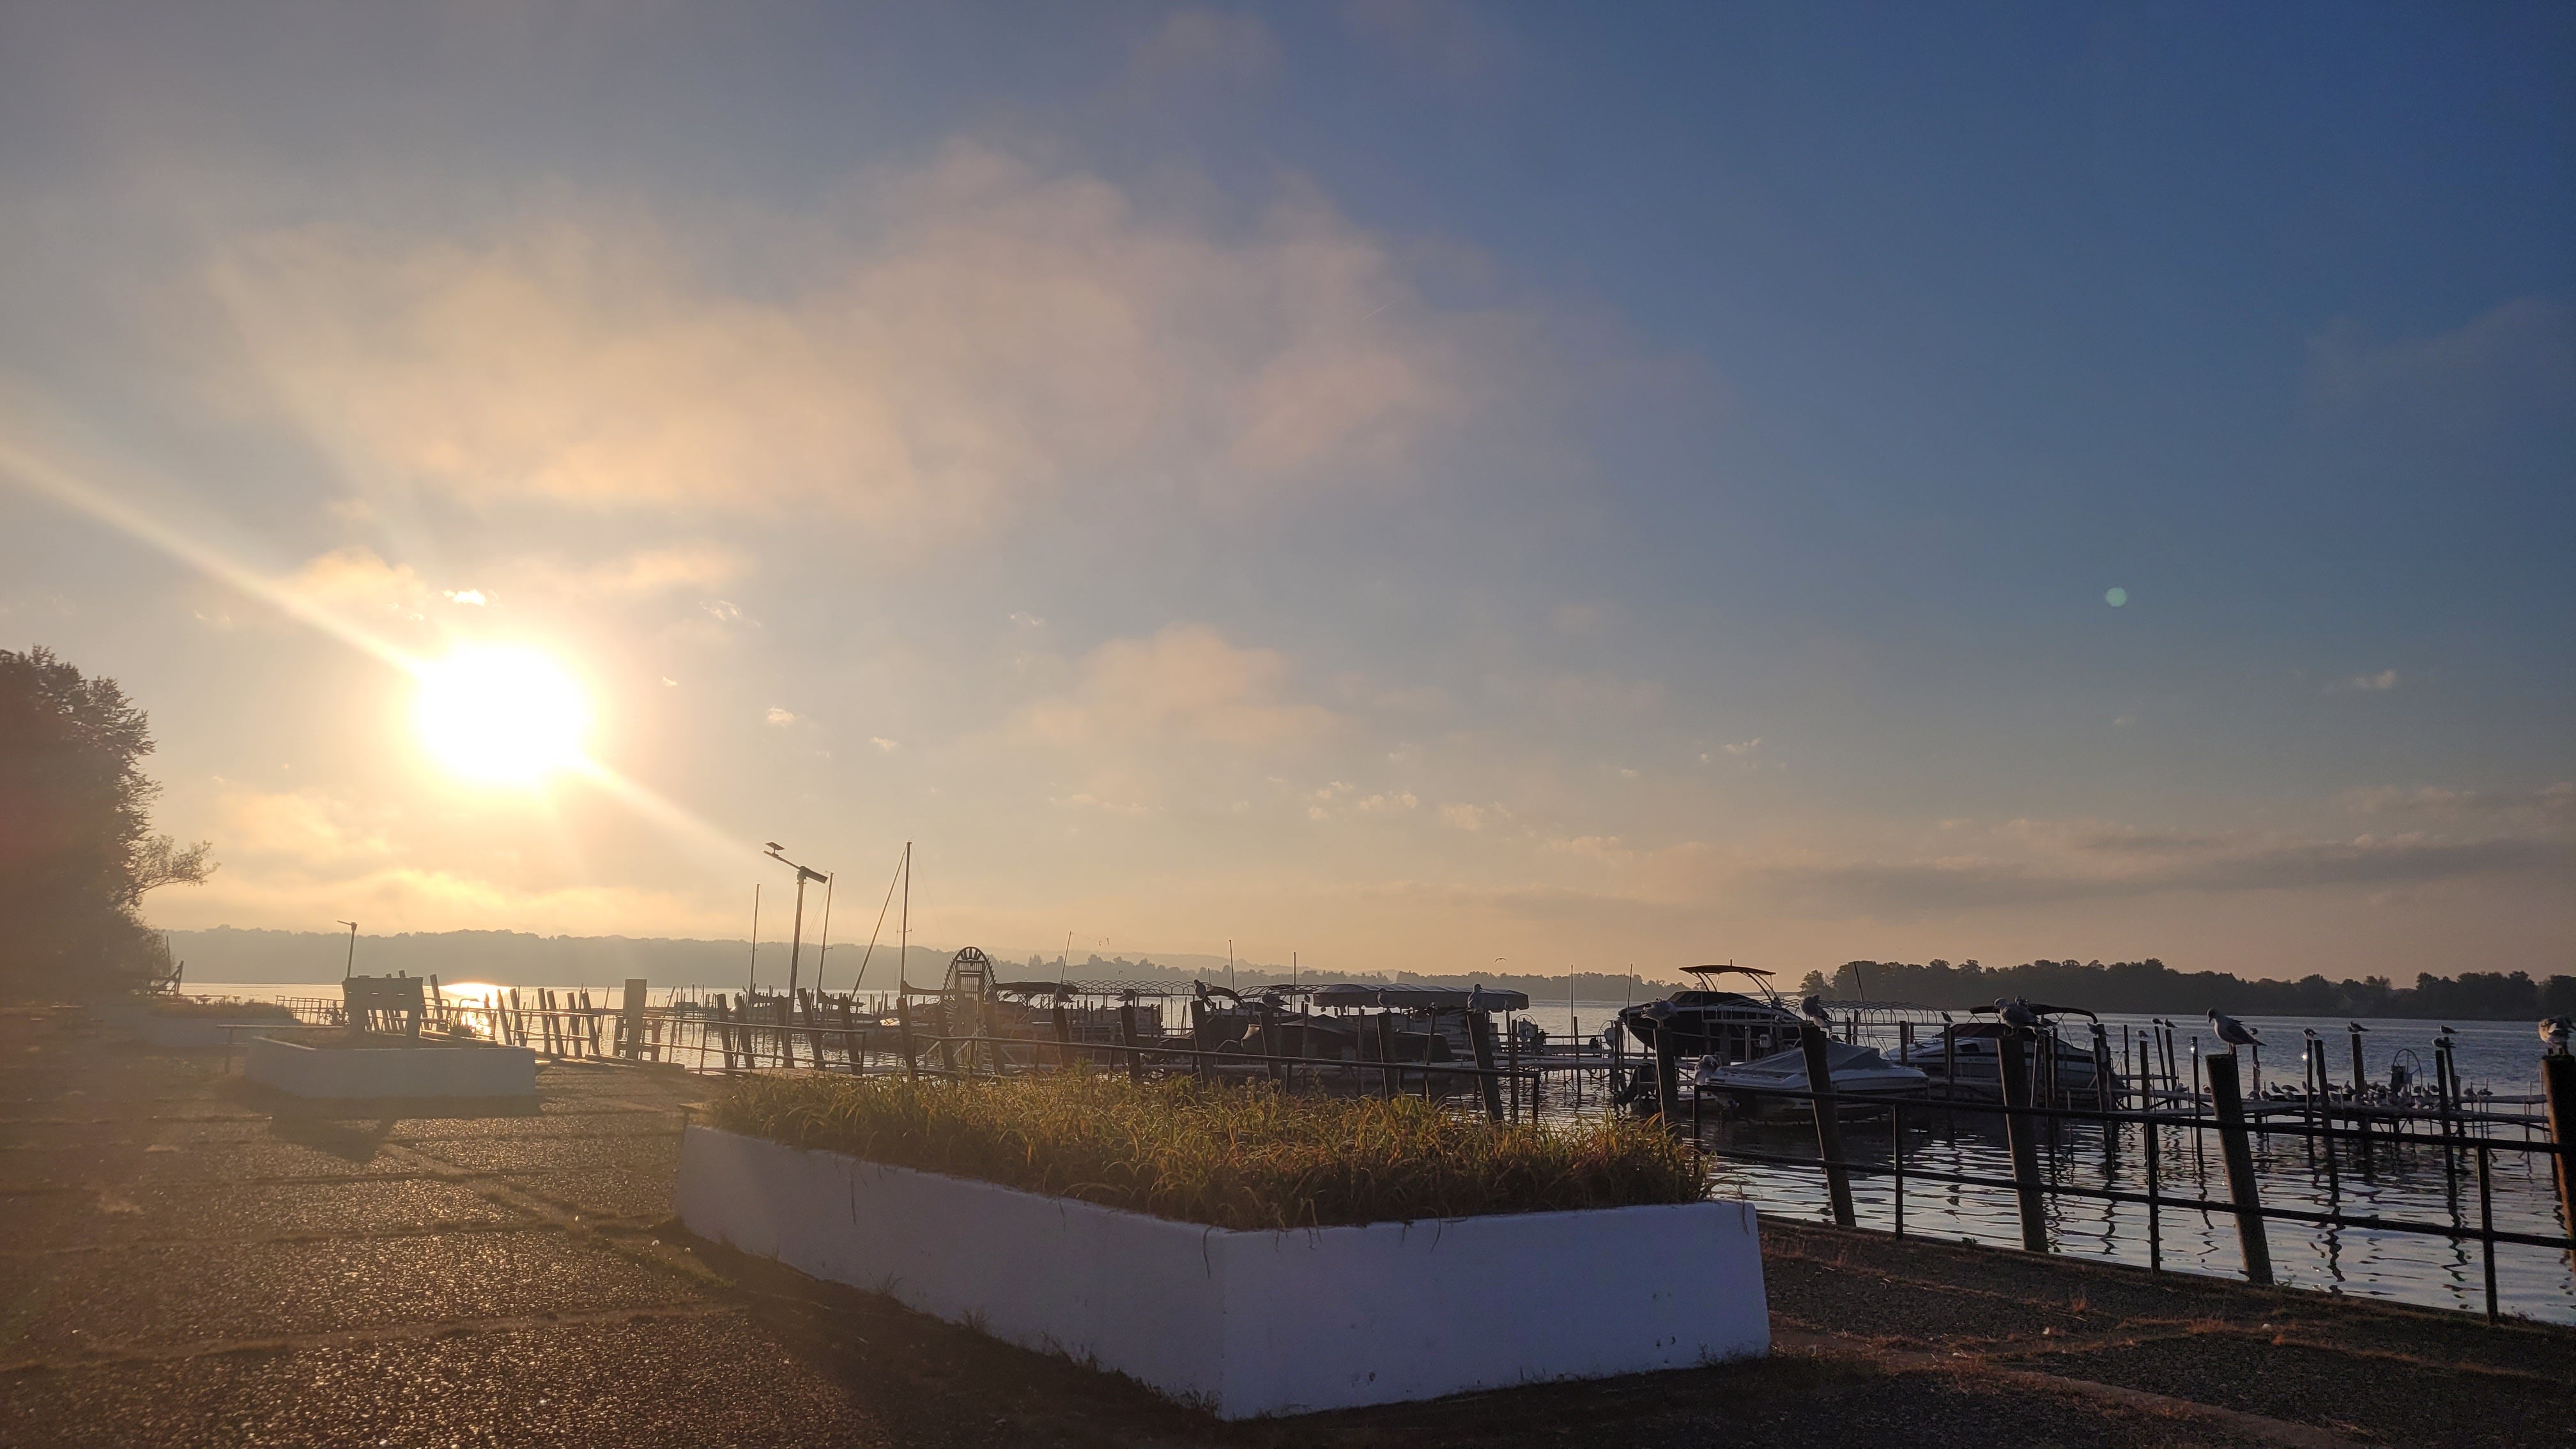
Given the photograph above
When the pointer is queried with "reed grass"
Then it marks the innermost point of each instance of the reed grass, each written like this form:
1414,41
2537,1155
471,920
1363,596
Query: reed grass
220,1008
1223,1155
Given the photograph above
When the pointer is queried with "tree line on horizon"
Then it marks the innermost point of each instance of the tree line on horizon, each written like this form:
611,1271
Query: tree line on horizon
2150,986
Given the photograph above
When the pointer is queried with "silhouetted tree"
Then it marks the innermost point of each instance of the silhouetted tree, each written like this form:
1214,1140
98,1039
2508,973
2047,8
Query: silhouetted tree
76,849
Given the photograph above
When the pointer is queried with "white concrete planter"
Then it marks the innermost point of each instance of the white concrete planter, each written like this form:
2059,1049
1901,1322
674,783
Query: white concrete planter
1253,1323
425,1071
198,1033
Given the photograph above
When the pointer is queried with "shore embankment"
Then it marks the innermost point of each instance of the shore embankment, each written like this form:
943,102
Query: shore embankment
190,1262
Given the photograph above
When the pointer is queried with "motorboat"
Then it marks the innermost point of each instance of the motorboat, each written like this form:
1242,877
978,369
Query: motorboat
1702,1021
1965,1059
1855,1072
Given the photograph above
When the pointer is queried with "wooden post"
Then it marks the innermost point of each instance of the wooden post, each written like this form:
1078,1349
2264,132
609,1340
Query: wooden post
2225,1096
903,1030
724,1034
1063,1034
2558,1084
1512,1064
1668,1077
634,1012
1829,1125
1390,1076
1127,1034
1480,1038
2360,1116
2020,1135
1200,1031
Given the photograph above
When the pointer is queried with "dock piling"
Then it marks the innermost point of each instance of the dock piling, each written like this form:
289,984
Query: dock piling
1829,1127
2239,1155
2018,1129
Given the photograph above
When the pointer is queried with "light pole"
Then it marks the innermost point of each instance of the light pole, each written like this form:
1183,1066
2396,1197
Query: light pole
351,966
796,936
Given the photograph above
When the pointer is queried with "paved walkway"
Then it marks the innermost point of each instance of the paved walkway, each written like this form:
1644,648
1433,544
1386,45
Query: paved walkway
184,1261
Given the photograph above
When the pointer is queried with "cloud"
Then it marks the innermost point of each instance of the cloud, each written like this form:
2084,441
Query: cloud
1184,683
692,567
306,827
2520,356
962,340
1465,817
779,717
355,582
473,597
884,745
2379,683
2221,868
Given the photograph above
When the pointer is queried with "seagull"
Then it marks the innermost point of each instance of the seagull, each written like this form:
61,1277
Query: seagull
2233,1032
2554,1034
1813,1008
2357,1026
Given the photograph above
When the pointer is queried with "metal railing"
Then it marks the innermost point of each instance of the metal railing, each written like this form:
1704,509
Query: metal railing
2234,1128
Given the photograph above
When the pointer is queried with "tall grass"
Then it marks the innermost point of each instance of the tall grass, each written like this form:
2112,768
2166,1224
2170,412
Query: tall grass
1223,1155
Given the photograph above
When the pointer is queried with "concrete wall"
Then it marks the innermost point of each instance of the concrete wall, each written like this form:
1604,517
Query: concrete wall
428,1071
1253,1323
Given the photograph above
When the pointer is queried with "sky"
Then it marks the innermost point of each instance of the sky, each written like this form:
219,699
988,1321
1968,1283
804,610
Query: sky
1414,485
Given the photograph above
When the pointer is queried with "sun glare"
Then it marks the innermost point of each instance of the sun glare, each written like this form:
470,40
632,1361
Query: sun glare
503,716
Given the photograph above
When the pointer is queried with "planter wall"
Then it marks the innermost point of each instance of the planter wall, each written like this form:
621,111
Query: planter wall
427,1071
196,1033
1253,1323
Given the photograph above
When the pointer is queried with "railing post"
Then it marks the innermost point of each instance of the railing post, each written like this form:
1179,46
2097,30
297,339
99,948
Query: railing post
1480,1038
2239,1155
1829,1125
634,1014
1668,1077
903,1031
2015,1075
2558,1083
1127,1034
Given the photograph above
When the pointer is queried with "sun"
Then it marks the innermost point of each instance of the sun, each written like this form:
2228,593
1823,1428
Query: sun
501,715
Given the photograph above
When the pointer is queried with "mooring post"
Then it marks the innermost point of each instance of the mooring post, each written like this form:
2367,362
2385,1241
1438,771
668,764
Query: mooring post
903,1030
2558,1084
1390,1077
634,1014
1668,1079
1063,1035
1512,1064
1480,1038
1127,1034
1829,1126
2019,1135
1200,1031
2360,1079
2229,1102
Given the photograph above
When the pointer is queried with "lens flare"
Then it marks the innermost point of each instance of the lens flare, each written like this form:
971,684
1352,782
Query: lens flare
502,715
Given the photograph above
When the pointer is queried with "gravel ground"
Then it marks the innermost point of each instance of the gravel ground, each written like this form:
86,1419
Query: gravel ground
184,1262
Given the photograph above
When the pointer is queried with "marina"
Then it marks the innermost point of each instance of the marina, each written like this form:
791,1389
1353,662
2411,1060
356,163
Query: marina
2389,1195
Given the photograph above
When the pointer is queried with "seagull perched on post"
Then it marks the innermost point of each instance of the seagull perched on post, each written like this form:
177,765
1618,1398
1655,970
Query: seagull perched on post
1813,1009
2357,1026
2233,1032
2554,1034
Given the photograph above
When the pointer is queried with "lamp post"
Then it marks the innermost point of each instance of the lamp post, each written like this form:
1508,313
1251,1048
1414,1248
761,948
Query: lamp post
350,968
796,936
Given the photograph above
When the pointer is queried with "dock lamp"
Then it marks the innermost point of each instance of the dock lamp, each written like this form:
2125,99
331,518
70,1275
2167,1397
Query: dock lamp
796,937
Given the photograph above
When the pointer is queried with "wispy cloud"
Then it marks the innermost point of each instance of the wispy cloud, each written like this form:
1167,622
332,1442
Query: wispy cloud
1185,683
977,335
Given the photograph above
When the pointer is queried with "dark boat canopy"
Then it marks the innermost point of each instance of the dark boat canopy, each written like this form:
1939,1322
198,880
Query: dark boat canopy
1417,998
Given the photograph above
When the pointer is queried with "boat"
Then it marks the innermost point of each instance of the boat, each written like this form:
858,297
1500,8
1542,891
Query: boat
1701,1021
1855,1072
1963,1060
